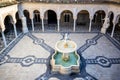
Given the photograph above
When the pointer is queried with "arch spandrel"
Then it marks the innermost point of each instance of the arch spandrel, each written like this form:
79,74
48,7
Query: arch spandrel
67,10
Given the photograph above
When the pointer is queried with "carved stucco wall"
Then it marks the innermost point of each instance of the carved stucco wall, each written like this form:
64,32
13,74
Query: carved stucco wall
58,8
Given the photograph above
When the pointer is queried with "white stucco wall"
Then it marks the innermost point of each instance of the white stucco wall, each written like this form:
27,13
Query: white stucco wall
58,8
9,10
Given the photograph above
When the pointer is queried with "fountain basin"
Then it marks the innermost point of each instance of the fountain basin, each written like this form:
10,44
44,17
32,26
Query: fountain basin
65,67
65,60
64,46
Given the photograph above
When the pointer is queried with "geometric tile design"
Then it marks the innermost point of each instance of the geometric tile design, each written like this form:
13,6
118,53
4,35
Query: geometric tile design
89,42
41,43
5,52
103,61
115,42
83,75
30,60
25,62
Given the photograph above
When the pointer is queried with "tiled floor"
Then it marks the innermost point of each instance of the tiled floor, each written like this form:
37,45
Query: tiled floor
29,58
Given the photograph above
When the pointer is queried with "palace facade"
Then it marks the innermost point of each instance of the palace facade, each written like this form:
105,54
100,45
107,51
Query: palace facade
58,16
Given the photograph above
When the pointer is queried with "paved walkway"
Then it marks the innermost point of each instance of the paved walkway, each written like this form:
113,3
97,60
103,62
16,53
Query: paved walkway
28,58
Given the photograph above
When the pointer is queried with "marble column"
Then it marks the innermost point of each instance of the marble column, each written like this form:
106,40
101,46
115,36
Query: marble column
15,30
32,25
74,27
4,39
90,25
43,24
113,30
58,23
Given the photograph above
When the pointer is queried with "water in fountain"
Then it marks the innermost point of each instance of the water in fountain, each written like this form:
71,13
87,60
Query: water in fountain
65,39
65,56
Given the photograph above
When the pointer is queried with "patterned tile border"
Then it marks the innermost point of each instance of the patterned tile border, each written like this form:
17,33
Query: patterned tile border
5,51
31,59
89,43
40,42
117,44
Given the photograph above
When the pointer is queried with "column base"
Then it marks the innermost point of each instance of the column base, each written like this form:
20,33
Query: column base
25,30
103,30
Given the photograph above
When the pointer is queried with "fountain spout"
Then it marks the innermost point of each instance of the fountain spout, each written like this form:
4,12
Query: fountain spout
65,39
65,59
66,36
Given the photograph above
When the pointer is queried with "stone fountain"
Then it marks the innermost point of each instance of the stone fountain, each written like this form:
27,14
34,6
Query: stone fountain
65,59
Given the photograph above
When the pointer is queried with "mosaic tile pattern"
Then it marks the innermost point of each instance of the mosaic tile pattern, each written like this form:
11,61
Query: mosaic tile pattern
25,62
5,52
30,60
41,43
89,42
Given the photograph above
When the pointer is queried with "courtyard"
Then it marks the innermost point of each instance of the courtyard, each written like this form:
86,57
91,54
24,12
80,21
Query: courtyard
28,58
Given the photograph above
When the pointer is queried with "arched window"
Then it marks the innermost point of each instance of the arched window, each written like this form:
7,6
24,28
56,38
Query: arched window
37,16
67,17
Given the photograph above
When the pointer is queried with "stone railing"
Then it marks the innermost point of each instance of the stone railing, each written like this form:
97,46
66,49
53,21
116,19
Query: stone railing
72,1
115,0
4,3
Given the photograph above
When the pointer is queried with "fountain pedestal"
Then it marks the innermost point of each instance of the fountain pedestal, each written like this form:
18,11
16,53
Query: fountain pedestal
65,59
65,56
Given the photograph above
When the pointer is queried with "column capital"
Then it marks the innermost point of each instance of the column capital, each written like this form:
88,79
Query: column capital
31,16
2,26
74,17
58,17
114,22
91,17
13,22
23,17
42,17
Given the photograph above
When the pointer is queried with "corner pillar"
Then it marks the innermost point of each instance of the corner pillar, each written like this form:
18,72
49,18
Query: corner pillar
24,24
